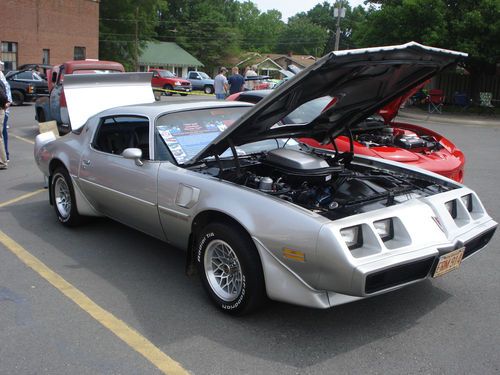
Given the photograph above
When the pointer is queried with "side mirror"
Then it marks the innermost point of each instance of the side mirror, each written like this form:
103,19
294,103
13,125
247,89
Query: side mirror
133,154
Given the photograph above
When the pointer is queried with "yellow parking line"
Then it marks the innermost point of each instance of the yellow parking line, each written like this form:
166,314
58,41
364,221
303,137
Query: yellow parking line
22,139
25,196
127,334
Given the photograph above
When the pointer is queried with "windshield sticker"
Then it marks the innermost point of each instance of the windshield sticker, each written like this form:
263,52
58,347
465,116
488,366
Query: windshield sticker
186,140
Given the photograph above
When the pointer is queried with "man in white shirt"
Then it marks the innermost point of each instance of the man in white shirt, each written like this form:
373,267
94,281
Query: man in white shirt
220,84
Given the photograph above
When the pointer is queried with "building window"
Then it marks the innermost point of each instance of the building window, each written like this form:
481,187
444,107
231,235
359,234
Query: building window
46,57
9,55
79,53
177,71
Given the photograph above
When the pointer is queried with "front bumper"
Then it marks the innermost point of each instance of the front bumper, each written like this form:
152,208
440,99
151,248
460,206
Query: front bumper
424,230
183,88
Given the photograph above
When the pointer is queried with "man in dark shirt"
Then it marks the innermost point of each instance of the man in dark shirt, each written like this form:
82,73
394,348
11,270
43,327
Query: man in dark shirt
236,81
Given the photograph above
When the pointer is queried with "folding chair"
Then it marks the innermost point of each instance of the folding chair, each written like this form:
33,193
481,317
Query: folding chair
485,102
436,100
461,100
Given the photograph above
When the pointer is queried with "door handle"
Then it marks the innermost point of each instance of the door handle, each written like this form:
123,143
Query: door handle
85,163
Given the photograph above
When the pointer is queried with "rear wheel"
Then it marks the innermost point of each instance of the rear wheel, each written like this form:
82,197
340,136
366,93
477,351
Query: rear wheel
17,97
64,198
230,269
208,89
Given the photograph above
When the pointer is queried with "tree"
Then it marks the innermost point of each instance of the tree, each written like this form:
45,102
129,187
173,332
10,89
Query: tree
259,31
465,25
205,28
302,36
124,27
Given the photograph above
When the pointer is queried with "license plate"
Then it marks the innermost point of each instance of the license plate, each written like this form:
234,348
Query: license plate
449,262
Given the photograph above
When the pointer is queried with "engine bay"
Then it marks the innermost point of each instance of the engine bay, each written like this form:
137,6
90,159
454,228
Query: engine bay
374,133
324,182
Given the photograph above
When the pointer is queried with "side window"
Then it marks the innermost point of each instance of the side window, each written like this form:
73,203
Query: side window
115,134
27,75
193,75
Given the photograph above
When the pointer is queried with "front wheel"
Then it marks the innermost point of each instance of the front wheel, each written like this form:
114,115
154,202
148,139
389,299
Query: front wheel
230,269
64,198
17,97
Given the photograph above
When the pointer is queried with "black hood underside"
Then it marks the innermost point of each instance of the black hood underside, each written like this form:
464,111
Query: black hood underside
362,81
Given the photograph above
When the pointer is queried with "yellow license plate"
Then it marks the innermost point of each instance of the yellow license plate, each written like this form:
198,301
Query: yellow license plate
449,262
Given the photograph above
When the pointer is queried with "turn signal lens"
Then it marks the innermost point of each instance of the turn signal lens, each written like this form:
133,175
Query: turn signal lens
352,236
467,201
385,229
451,206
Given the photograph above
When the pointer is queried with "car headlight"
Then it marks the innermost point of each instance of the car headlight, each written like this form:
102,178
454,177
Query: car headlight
177,83
385,229
451,206
352,236
467,201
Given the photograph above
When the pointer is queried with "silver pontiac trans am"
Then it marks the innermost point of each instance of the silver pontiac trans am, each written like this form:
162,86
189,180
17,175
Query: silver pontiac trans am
259,214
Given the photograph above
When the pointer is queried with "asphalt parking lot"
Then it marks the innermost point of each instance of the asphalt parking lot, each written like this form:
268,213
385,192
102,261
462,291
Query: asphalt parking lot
160,316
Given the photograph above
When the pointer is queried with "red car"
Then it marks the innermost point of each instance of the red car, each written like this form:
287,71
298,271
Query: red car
167,80
379,136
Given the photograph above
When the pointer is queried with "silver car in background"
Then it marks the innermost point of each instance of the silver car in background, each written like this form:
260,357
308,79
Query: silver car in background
259,214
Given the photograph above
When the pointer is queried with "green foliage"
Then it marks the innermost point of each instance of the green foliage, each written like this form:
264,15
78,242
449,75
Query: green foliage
302,36
217,31
465,25
117,29
259,31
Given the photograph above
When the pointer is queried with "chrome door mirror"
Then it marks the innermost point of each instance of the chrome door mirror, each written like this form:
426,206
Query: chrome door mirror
133,154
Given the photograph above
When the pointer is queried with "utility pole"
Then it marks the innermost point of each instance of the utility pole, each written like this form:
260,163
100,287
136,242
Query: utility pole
338,12
136,46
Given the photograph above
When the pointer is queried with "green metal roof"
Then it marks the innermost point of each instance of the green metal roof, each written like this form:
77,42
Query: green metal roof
167,53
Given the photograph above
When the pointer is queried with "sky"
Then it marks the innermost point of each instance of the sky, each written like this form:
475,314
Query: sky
289,8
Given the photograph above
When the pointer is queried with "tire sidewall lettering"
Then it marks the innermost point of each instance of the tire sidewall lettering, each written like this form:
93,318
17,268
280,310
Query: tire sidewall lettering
202,243
240,298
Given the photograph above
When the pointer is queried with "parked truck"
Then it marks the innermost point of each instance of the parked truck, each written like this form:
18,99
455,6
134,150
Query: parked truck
165,79
54,106
201,81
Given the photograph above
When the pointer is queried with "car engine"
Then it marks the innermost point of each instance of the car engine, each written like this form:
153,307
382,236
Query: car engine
324,182
375,134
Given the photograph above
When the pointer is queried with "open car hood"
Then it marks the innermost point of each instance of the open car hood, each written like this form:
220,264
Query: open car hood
89,94
362,81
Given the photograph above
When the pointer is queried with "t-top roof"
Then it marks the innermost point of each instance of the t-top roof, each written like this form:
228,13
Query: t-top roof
167,53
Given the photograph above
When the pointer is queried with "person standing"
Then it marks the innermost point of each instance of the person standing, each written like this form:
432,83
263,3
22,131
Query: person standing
220,84
5,124
250,85
4,103
236,81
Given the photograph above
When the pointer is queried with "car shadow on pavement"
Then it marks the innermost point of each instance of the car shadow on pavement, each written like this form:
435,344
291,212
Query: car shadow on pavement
110,262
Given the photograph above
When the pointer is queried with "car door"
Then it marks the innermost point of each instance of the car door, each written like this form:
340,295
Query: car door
156,80
195,80
123,189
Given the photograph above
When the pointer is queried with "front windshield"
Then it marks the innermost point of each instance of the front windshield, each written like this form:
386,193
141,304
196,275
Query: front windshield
204,75
187,133
167,74
307,112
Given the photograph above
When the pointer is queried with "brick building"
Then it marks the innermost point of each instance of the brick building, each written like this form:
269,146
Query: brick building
48,31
